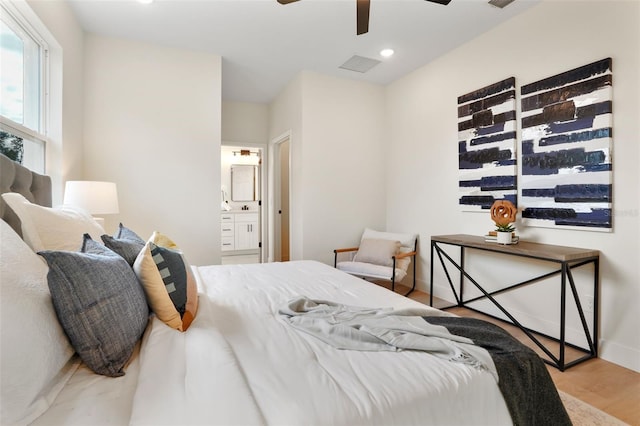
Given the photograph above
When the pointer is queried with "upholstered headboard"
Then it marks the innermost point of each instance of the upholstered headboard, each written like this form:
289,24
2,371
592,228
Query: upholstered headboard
16,178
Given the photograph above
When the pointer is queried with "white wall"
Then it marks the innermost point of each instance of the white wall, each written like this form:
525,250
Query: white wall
338,162
344,163
285,116
550,38
65,150
245,122
152,125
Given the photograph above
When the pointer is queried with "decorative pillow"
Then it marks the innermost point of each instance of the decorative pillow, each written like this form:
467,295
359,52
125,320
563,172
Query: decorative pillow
35,361
125,242
406,240
168,282
377,251
45,228
99,303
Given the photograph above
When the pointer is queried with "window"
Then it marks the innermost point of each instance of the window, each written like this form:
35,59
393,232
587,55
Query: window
23,72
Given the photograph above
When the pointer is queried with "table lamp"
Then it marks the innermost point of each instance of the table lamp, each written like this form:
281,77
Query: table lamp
97,198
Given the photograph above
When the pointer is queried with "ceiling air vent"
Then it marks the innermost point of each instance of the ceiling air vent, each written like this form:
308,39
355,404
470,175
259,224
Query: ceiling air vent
500,3
359,64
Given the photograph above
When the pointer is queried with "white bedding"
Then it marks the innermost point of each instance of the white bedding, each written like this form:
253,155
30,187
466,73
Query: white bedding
91,399
240,364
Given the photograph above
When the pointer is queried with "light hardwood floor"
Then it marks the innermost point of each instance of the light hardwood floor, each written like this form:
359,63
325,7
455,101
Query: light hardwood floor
602,384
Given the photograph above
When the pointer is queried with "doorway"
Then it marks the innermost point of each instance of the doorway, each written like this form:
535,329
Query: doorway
241,196
280,205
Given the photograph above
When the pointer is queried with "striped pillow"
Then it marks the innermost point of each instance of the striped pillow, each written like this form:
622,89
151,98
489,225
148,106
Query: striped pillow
168,282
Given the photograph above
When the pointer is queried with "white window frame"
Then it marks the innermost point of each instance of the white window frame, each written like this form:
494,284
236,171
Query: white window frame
35,155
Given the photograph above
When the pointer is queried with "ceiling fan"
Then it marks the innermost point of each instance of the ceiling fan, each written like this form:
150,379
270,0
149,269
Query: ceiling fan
362,12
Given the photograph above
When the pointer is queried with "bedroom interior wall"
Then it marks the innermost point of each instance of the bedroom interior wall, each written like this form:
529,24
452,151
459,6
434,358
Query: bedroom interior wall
285,117
153,126
245,122
338,161
65,158
422,119
343,163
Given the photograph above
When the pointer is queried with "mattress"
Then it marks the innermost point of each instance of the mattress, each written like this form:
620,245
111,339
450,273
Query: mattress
239,363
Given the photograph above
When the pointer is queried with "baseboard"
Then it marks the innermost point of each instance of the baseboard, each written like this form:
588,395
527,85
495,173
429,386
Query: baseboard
621,355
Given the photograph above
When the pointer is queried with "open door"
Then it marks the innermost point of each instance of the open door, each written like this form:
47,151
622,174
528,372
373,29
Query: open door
284,201
279,199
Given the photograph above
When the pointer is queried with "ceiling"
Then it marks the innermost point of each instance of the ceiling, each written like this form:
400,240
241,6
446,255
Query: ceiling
264,44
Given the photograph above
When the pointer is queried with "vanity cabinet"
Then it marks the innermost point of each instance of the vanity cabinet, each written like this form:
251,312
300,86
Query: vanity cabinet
239,231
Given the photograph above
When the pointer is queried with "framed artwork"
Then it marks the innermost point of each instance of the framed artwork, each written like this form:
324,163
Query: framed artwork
566,149
487,146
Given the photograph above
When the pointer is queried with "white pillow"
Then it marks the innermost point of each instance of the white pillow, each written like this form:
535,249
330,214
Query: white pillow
45,228
35,358
377,251
406,240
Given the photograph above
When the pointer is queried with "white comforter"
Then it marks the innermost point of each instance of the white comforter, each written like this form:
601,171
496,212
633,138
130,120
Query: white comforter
240,364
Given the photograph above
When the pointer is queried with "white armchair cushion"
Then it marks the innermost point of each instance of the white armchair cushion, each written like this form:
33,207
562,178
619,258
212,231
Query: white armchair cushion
406,240
370,270
377,251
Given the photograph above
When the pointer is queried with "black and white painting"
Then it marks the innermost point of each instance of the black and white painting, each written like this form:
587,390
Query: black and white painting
566,149
487,146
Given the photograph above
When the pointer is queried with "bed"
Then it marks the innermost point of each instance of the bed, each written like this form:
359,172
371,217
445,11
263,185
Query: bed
238,361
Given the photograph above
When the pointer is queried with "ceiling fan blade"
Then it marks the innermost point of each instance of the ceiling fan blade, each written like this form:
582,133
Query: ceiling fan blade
362,16
286,1
444,2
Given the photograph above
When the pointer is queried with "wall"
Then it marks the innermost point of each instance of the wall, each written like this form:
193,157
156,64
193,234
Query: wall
152,125
245,122
344,163
65,151
285,116
337,159
422,123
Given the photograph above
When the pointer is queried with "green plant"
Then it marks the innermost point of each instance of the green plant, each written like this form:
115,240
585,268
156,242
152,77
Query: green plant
505,227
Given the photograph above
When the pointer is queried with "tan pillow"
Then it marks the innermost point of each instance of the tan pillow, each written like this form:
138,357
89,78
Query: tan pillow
377,251
168,282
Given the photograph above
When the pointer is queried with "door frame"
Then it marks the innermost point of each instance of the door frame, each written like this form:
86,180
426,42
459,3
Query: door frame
274,193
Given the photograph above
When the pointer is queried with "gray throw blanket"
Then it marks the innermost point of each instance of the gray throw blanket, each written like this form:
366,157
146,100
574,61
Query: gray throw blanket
522,377
364,329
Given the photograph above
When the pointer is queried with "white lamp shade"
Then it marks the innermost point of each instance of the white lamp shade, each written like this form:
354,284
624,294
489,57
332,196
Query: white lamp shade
94,197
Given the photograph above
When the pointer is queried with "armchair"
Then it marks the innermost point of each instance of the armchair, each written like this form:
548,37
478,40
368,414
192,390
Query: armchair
383,256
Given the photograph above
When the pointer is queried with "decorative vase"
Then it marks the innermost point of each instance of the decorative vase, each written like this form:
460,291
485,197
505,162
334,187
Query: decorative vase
504,237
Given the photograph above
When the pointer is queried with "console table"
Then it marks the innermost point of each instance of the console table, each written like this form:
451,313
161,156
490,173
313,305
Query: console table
566,259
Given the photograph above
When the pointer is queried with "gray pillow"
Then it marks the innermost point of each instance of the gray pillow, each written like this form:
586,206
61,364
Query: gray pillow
125,242
100,304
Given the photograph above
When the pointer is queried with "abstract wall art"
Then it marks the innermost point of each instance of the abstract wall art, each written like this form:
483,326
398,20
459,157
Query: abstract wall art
487,146
566,149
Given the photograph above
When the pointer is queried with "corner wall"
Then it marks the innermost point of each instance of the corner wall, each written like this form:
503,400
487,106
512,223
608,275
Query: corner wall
153,126
338,157
545,40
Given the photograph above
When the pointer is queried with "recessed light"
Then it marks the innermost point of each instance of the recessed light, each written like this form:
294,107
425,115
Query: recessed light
385,53
145,1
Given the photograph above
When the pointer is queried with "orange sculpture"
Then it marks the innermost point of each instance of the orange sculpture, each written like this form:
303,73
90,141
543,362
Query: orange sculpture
503,212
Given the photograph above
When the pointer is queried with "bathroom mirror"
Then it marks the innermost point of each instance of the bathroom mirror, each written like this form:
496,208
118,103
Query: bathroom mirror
244,182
